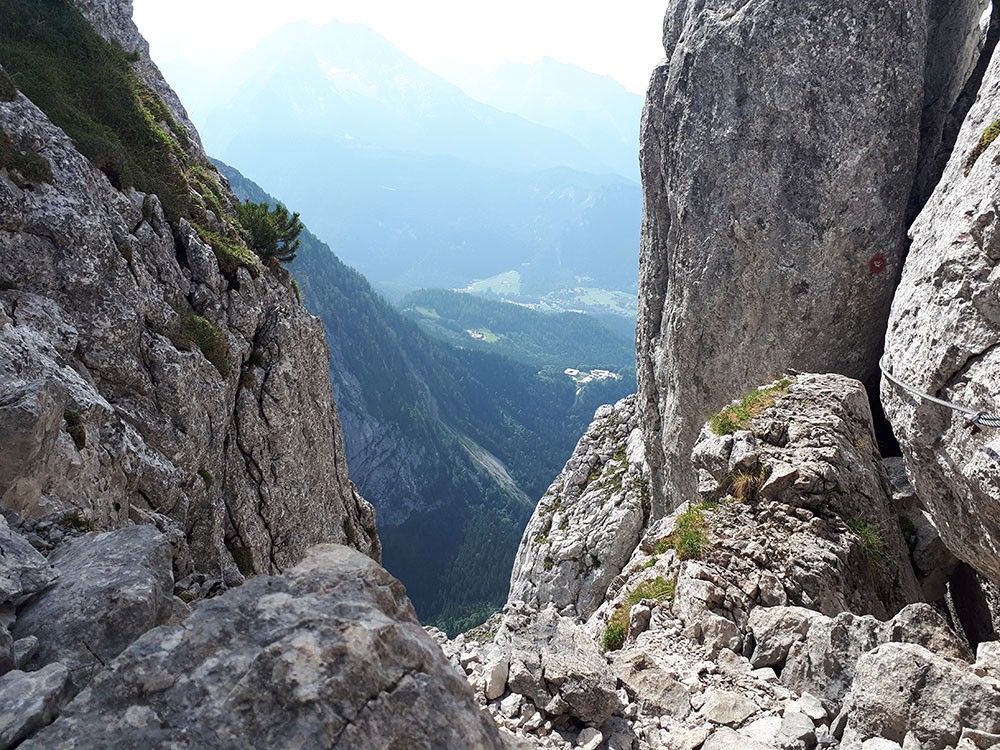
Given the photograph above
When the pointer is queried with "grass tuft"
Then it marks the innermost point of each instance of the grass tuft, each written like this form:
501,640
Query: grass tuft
689,539
659,589
739,415
8,90
74,519
194,330
989,135
873,545
75,428
746,485
231,254
206,477
243,558
27,169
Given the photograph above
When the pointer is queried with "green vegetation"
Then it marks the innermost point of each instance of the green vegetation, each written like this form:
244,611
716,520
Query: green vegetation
206,477
6,285
614,634
26,168
87,87
349,533
746,485
738,416
194,330
486,632
989,135
540,339
75,428
271,232
873,545
689,537
507,283
658,589
230,253
74,519
8,91
256,358
243,558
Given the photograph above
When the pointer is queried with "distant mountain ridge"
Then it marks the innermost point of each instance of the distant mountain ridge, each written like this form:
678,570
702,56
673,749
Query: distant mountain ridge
345,81
414,182
596,110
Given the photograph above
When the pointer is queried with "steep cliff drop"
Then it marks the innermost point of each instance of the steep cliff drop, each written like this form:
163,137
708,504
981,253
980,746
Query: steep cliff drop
152,368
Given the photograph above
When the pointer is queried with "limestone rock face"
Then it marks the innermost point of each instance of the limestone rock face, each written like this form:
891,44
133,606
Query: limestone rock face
818,654
329,654
585,527
818,518
23,571
555,664
738,617
943,340
955,37
907,694
112,588
104,408
775,200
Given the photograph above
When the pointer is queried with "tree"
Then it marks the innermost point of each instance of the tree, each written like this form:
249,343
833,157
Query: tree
272,233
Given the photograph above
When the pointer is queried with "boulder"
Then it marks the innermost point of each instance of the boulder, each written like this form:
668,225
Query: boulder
328,655
776,630
725,738
902,689
23,571
555,663
818,655
657,692
30,700
112,588
725,707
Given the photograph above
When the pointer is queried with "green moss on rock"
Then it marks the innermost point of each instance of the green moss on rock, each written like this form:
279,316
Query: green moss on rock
194,330
87,87
989,135
27,169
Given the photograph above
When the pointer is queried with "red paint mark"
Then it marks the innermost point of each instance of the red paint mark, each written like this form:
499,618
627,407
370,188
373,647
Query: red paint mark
878,263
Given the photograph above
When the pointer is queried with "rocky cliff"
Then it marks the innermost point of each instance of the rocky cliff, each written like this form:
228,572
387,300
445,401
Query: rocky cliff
781,142
943,343
771,613
152,369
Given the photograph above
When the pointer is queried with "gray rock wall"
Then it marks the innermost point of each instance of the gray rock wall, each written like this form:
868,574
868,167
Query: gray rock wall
943,340
779,143
104,409
585,527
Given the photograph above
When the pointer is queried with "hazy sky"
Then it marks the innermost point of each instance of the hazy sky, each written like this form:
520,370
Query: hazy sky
621,39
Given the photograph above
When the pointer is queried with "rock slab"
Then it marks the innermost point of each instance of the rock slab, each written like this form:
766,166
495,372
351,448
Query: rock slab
328,655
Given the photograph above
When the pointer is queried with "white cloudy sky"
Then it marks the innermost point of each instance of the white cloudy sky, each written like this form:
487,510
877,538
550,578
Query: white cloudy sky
620,39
